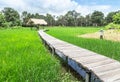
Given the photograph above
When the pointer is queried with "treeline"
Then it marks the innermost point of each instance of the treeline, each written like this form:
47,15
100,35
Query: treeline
10,17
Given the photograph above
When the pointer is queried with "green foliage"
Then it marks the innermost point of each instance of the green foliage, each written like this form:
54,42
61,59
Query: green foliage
62,21
116,18
112,26
88,21
109,17
97,18
50,19
108,48
2,19
12,16
71,17
23,58
7,24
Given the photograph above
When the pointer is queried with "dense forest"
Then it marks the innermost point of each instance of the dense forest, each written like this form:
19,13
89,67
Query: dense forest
11,17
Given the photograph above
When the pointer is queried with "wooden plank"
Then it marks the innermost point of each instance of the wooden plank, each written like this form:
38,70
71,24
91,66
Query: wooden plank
85,60
62,46
107,67
89,59
96,64
67,47
77,54
117,80
107,72
110,77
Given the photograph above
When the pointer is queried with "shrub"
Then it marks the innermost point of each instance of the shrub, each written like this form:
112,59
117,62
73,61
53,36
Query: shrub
116,18
6,24
112,26
2,19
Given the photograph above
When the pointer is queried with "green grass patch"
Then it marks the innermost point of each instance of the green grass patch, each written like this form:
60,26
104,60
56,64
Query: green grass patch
108,48
23,58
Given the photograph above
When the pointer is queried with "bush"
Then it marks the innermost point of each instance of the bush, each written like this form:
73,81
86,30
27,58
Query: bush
112,26
116,18
6,24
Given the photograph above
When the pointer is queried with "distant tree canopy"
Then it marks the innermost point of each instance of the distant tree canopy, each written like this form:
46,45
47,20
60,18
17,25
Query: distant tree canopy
109,17
116,18
97,18
10,17
50,19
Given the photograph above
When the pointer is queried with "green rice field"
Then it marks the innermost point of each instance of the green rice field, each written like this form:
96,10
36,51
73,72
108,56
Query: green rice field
23,58
108,48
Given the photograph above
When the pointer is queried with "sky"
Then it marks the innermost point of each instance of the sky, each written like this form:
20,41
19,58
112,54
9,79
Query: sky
60,7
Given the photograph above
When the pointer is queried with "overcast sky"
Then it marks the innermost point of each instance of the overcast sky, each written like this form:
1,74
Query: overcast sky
58,7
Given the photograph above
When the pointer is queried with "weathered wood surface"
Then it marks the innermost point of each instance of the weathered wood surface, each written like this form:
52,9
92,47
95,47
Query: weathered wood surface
101,68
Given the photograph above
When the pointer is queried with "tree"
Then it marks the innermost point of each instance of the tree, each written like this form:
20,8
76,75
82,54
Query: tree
116,18
97,18
72,17
75,15
50,20
2,19
81,21
109,17
62,20
88,20
11,15
37,15
25,18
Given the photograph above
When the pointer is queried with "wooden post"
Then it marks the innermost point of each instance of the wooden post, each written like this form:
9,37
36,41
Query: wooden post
87,78
53,51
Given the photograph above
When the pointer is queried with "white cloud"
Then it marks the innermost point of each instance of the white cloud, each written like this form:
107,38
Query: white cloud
89,9
55,7
13,3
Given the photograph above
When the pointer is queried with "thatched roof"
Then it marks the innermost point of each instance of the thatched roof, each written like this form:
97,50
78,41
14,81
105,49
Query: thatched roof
37,21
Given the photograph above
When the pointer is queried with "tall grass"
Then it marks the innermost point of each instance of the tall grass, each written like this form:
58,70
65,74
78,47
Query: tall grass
24,59
104,47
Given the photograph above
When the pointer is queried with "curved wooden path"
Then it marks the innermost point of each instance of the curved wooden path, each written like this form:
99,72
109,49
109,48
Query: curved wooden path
91,66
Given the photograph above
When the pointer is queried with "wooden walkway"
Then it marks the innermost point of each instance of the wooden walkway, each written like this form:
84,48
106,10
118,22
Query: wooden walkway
91,66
